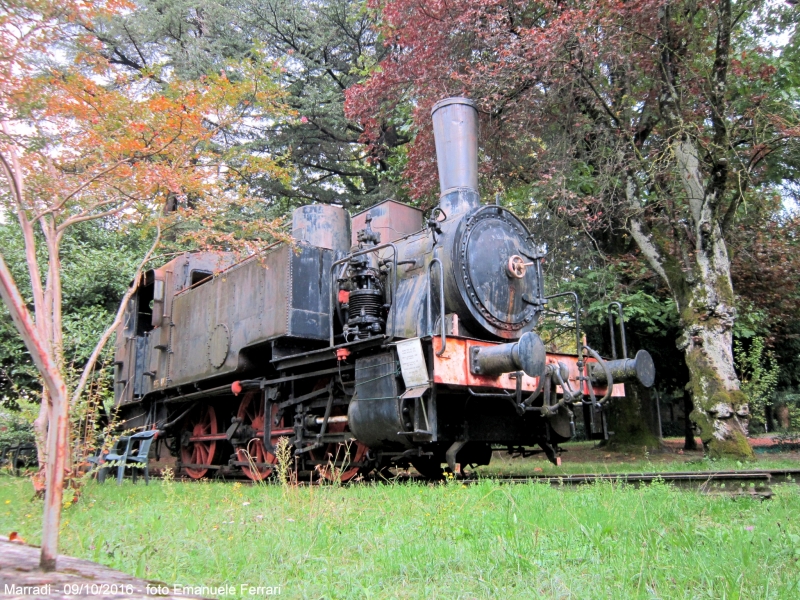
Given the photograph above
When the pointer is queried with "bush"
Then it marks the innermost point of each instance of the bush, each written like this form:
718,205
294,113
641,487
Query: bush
15,429
758,372
791,400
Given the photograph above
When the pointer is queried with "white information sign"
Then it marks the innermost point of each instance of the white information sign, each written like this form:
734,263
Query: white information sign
412,362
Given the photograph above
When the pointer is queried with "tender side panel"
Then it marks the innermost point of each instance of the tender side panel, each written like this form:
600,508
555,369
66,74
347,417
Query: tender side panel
241,307
124,371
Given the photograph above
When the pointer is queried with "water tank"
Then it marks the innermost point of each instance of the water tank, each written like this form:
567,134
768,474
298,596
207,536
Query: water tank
322,225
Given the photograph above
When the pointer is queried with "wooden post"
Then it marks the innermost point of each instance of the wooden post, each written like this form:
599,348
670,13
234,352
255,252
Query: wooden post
57,444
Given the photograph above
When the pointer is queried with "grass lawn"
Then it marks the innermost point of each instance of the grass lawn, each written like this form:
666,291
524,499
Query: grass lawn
486,540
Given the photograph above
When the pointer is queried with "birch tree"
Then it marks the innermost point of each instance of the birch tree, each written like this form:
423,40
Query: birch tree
81,141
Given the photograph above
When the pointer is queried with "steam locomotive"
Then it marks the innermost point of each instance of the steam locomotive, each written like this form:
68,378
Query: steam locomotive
410,341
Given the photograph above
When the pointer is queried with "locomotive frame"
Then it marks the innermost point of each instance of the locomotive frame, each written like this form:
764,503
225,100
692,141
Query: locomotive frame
405,342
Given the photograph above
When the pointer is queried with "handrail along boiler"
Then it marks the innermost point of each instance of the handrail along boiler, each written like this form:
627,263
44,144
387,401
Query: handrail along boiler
406,343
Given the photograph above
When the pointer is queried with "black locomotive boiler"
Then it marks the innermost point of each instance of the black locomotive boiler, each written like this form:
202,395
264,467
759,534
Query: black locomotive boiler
410,341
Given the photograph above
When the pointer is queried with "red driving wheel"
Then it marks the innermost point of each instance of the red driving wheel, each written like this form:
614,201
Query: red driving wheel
200,451
251,413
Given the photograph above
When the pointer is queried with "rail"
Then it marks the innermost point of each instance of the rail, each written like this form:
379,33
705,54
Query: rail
755,483
746,482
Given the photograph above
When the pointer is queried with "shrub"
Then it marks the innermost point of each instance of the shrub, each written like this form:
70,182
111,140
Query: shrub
758,372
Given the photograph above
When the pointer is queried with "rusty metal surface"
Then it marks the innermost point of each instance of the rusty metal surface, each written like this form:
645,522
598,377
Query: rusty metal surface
640,368
476,285
455,130
322,225
392,220
506,303
375,415
219,344
528,355
250,299
407,317
213,323
141,353
452,368
481,246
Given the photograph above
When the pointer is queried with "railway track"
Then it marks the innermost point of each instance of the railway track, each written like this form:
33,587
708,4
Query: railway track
754,483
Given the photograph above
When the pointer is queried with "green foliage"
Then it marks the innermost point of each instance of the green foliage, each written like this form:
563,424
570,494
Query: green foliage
652,315
324,47
750,322
98,261
646,313
15,425
758,372
18,375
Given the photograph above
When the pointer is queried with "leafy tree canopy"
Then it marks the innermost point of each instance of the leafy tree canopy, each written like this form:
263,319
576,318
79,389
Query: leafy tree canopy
325,46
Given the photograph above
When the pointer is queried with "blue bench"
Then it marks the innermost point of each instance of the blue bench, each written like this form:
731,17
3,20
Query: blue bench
131,451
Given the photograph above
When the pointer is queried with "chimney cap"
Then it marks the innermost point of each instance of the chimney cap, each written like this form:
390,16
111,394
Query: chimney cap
454,100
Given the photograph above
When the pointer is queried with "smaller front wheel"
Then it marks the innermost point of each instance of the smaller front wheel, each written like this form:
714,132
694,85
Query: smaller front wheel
343,461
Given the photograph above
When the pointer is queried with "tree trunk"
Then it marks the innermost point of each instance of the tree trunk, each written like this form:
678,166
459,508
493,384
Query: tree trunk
57,434
691,254
689,442
632,420
40,428
699,277
720,407
703,292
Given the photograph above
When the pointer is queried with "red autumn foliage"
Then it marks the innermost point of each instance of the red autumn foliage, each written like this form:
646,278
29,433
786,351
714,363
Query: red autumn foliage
530,64
766,271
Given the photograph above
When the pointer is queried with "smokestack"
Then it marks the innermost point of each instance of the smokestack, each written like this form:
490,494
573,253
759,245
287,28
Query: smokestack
455,129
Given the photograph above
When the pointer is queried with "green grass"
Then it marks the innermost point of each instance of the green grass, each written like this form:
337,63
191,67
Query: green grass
487,540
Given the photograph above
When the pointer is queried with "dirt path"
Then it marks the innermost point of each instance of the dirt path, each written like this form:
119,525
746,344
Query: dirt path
21,578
